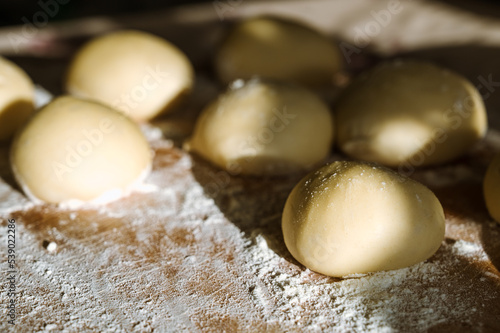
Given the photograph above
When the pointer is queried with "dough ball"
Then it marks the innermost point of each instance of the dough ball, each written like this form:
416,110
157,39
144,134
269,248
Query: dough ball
491,188
16,98
79,150
135,72
353,217
264,128
279,49
409,114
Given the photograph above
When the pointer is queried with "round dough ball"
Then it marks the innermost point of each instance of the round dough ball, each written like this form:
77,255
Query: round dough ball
409,114
16,98
491,188
279,49
264,128
353,217
134,72
79,150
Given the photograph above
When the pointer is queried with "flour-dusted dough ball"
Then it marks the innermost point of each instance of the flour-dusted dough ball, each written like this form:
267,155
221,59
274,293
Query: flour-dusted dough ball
353,217
135,72
408,114
77,150
491,188
264,128
16,98
279,49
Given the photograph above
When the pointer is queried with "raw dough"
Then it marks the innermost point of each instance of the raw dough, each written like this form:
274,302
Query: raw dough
408,114
492,188
134,72
280,49
354,217
79,150
16,98
263,127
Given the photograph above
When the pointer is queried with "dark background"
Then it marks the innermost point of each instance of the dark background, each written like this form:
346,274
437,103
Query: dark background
12,11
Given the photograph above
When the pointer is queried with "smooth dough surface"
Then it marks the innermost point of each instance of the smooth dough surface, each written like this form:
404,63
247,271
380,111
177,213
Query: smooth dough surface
264,128
77,150
491,188
409,114
353,217
135,72
16,98
278,49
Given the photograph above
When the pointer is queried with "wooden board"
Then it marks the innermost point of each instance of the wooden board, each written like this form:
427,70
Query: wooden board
198,250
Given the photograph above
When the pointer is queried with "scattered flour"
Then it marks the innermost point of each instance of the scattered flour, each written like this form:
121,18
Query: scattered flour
172,258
